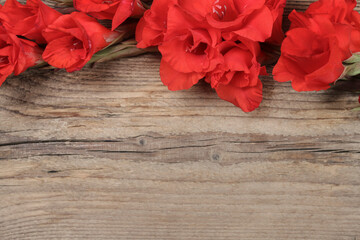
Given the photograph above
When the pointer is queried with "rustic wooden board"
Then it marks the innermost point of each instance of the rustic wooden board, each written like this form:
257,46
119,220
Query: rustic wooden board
110,153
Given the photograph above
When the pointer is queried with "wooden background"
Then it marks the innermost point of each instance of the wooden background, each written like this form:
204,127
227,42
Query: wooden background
110,153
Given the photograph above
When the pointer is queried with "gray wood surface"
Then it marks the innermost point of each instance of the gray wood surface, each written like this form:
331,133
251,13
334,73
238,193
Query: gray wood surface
110,153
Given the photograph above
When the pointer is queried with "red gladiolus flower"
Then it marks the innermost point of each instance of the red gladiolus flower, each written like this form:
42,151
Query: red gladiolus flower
188,51
73,39
215,39
340,12
257,20
27,20
313,52
152,26
237,79
116,10
16,54
250,19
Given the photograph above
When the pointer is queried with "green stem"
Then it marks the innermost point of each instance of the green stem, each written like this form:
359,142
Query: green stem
125,49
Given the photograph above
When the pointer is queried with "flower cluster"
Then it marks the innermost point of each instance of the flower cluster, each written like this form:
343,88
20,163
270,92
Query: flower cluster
321,46
34,33
224,42
218,40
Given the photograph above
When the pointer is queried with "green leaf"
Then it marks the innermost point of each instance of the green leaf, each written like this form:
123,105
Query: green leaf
352,70
355,58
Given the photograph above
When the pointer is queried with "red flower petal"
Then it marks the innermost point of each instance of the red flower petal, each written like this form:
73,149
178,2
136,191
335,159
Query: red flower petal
63,53
123,11
16,55
247,98
176,80
73,39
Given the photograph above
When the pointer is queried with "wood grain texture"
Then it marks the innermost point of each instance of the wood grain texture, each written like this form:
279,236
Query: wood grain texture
110,153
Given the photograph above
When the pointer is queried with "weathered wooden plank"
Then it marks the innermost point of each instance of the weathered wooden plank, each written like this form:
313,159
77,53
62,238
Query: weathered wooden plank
118,199
110,153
